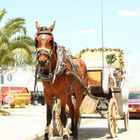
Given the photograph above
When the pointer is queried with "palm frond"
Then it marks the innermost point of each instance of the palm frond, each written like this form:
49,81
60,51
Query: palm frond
2,13
15,46
13,26
26,39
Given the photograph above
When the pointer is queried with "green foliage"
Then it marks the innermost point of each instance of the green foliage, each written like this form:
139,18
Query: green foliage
111,58
2,13
16,48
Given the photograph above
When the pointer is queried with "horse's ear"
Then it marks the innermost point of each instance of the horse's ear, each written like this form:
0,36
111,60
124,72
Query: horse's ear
37,25
52,26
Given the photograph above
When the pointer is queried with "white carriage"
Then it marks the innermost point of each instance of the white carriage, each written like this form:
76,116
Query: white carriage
108,86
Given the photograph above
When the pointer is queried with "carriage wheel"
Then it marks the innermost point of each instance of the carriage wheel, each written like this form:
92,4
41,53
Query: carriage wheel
113,117
126,120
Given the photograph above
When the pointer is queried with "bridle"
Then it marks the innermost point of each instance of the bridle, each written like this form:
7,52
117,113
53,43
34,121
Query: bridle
60,65
42,50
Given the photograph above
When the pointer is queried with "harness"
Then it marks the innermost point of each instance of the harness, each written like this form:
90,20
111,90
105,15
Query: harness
59,69
63,57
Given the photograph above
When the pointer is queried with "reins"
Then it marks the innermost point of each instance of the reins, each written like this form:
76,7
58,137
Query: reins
35,82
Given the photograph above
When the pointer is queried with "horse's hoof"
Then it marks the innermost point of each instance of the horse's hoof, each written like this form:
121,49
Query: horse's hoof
46,136
65,137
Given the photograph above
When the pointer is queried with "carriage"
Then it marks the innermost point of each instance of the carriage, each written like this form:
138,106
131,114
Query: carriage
98,75
108,85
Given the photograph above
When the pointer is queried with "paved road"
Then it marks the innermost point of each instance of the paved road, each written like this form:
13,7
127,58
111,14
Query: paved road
98,130
23,123
29,124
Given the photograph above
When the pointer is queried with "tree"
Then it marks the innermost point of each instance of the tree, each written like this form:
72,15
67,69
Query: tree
16,48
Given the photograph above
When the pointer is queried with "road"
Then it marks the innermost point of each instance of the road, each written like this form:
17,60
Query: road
97,129
29,123
23,123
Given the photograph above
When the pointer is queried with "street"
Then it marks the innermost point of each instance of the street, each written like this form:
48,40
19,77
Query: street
29,123
23,123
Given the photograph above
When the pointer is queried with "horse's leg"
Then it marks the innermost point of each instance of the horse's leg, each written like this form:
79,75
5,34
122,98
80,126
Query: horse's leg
49,117
79,99
71,111
63,118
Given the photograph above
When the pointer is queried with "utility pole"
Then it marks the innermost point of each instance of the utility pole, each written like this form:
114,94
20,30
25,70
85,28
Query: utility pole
102,34
102,38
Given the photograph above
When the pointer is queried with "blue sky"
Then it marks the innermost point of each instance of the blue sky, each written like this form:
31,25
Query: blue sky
78,24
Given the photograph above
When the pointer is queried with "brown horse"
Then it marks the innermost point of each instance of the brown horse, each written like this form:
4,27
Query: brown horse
62,76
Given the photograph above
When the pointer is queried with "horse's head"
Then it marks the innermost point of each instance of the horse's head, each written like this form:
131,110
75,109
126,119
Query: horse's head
44,44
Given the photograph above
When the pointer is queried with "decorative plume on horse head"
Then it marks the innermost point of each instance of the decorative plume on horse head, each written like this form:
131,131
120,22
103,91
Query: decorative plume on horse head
62,76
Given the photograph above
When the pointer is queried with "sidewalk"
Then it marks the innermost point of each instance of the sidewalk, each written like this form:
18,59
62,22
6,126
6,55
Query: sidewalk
23,123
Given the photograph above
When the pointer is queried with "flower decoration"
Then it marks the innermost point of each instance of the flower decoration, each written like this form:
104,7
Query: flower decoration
110,58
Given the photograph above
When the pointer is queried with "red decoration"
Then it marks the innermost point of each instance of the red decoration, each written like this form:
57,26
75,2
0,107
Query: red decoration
101,49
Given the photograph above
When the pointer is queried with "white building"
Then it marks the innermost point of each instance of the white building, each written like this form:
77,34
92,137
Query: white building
21,77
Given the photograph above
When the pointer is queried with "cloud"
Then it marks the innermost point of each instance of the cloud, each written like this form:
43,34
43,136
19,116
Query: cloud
86,32
129,13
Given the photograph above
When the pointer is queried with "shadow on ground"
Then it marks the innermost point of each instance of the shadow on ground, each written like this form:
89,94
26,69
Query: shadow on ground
88,134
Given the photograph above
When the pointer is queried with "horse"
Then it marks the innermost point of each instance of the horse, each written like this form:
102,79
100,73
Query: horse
62,75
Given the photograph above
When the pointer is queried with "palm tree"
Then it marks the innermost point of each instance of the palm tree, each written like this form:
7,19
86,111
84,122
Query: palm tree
16,48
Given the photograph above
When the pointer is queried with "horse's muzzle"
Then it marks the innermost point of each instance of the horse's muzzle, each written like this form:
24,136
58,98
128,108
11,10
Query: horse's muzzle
42,61
43,58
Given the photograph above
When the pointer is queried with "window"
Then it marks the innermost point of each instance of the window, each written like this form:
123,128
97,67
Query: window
95,77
